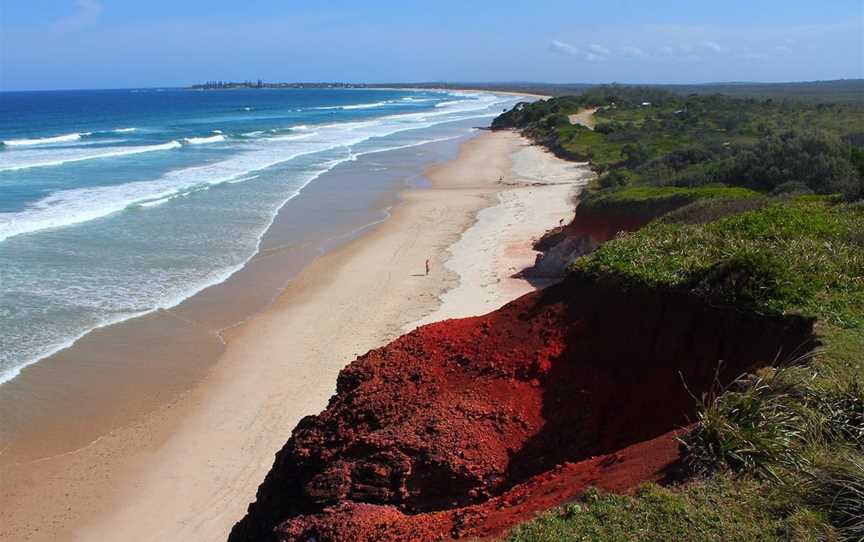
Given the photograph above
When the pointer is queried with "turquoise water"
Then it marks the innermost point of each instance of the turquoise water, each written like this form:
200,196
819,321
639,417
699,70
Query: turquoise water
117,203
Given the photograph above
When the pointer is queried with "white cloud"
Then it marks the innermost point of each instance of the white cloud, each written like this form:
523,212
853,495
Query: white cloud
87,12
713,46
571,50
599,49
633,52
565,48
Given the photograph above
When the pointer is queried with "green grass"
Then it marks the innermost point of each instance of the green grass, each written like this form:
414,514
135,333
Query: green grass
590,145
719,509
800,256
843,350
838,488
639,194
650,202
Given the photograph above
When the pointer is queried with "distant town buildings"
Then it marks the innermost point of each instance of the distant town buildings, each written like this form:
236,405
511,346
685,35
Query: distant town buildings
220,85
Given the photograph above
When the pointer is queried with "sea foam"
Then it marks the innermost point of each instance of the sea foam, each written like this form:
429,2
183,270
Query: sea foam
44,140
29,159
75,206
204,140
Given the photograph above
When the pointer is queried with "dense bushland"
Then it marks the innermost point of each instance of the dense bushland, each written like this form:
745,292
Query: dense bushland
651,137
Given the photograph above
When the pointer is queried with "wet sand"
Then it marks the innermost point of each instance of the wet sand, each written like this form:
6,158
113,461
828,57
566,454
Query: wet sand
188,469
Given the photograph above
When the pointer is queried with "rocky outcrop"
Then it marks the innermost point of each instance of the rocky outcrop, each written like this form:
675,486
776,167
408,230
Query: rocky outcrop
465,427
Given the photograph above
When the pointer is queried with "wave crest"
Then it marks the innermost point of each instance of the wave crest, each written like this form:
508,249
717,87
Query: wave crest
44,140
30,159
204,140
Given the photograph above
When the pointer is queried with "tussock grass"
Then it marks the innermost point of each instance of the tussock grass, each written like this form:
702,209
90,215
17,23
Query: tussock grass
795,428
758,424
838,488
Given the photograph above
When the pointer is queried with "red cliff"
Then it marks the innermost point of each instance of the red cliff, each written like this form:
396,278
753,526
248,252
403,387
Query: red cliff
466,427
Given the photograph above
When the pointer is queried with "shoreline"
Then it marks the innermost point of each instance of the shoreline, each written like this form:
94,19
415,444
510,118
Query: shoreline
504,92
148,465
135,366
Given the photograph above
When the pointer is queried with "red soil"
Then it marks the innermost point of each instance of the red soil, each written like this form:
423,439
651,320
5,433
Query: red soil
619,472
599,227
466,427
590,228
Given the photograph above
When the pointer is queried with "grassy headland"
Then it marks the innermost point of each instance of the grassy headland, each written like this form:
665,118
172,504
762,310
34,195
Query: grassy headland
761,211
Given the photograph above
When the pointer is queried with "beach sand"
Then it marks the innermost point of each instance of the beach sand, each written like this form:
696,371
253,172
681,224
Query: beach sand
188,470
584,118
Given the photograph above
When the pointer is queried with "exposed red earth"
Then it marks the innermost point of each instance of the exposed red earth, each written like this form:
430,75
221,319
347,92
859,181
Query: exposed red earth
586,232
466,427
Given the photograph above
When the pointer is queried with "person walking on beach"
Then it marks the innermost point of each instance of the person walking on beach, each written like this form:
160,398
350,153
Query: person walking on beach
427,267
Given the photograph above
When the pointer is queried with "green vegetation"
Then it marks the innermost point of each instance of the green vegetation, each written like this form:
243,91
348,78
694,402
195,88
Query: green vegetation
777,455
849,90
717,509
838,488
757,206
776,424
657,194
802,255
647,136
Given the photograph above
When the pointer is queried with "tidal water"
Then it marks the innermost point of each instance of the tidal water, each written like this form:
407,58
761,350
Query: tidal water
117,203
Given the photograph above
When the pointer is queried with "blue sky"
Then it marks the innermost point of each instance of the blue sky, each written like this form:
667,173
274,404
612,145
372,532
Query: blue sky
46,44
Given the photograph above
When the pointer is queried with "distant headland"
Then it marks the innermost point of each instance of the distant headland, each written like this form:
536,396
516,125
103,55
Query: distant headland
849,90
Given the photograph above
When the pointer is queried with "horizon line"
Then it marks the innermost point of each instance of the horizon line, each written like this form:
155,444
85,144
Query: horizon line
446,82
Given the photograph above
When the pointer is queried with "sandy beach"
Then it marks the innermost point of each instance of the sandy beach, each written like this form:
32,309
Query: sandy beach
188,470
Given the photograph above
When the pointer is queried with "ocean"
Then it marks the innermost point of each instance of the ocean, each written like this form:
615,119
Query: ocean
118,203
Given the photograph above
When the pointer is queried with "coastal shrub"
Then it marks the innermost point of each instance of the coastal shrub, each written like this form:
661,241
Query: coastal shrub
817,160
770,146
635,155
796,188
856,155
614,179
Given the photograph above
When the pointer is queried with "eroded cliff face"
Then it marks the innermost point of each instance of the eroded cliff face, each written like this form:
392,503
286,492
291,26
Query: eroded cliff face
466,427
589,229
